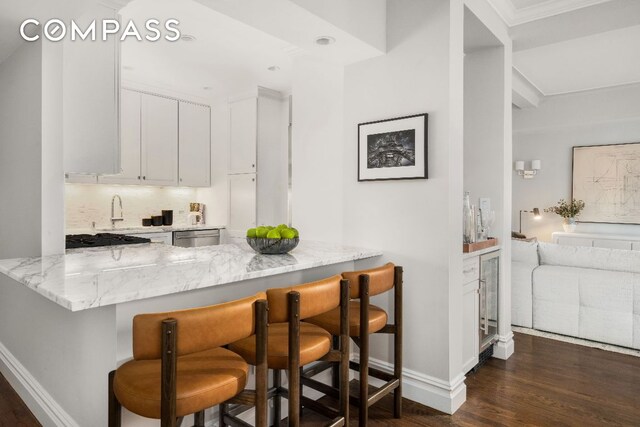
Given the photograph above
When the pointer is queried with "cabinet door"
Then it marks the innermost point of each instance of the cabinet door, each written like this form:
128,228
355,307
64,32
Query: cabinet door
159,140
244,122
130,141
242,202
470,325
194,145
90,100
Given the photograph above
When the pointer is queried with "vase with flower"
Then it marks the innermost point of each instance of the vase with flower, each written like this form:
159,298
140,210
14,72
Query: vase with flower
569,211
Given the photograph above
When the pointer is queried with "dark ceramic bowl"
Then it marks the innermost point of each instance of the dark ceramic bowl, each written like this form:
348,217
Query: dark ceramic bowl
272,246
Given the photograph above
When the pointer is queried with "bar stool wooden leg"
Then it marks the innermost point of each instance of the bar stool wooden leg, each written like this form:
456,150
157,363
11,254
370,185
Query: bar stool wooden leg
397,344
364,351
262,368
277,399
222,410
335,369
294,359
343,342
115,409
169,374
198,419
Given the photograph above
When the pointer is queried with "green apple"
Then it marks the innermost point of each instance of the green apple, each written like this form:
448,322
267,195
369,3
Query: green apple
261,232
282,227
251,233
288,233
274,234
295,231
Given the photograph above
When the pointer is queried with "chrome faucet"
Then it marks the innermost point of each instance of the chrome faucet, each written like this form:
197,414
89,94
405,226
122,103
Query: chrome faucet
113,215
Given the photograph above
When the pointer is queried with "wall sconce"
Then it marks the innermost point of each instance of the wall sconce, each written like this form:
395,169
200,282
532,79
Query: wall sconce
536,165
536,216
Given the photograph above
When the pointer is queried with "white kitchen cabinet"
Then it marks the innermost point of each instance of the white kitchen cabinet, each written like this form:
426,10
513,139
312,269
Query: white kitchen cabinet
130,141
91,100
159,135
259,147
470,325
471,312
79,178
243,136
242,202
194,145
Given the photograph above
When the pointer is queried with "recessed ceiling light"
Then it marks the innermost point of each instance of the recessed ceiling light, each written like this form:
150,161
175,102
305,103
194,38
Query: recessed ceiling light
325,40
188,38
273,68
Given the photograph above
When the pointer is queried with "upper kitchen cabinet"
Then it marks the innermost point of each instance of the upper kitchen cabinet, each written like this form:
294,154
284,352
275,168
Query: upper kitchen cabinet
130,122
244,134
159,140
194,148
91,100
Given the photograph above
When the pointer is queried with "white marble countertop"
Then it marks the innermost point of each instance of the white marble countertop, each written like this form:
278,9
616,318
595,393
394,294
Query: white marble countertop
144,230
95,277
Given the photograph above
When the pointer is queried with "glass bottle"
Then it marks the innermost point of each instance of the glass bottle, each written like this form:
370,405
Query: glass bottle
469,230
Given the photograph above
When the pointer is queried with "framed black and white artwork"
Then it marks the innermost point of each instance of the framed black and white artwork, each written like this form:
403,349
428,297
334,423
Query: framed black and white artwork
393,149
607,179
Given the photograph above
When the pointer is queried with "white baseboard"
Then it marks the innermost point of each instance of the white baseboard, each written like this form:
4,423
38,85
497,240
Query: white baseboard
504,348
44,407
430,391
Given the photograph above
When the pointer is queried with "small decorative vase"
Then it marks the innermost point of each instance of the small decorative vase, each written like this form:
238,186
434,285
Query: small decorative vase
569,225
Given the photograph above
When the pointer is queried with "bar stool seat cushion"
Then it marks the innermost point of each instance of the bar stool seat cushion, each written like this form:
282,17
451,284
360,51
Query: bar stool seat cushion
315,342
204,379
330,320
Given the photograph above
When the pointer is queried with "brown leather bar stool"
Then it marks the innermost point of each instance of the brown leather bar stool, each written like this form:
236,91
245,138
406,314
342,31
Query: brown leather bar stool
292,344
179,366
366,319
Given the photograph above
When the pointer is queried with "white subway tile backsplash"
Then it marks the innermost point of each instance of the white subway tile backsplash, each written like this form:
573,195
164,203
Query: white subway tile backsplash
85,203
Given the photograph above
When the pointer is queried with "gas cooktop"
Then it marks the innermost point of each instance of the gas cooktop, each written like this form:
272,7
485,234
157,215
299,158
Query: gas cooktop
75,241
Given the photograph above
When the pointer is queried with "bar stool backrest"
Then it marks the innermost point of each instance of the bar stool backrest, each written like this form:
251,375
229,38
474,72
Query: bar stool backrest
381,279
315,298
198,329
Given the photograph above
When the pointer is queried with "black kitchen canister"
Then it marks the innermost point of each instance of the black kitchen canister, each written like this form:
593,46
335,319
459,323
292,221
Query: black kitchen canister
167,217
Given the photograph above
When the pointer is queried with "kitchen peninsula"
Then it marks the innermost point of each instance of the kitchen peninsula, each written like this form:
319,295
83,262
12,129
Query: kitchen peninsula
77,309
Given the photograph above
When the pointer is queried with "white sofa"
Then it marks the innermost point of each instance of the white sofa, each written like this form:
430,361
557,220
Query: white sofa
584,292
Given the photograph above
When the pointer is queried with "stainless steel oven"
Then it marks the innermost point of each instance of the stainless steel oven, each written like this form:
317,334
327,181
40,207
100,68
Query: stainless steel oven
196,238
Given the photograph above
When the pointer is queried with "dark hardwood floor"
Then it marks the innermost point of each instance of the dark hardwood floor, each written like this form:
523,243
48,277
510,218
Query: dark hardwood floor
545,383
13,412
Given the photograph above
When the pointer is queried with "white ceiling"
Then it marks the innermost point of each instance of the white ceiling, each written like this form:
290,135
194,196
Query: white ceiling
588,46
601,60
227,56
516,12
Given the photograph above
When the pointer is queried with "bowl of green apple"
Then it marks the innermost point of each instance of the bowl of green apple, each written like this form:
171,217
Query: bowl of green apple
273,240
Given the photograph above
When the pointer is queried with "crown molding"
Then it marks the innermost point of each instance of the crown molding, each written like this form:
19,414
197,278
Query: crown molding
513,16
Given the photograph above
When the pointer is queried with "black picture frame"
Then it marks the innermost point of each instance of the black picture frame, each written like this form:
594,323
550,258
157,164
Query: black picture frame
573,178
413,130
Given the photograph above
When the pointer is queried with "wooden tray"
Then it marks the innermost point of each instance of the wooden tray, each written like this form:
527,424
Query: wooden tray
477,246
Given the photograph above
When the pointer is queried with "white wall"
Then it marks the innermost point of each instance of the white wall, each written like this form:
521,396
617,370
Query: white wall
417,223
317,151
548,133
20,152
484,130
85,203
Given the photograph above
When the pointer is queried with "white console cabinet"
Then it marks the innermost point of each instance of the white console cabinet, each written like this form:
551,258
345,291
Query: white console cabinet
594,240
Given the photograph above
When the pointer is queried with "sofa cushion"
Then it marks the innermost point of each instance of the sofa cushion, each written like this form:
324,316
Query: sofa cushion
587,257
524,259
556,300
525,252
606,306
597,305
